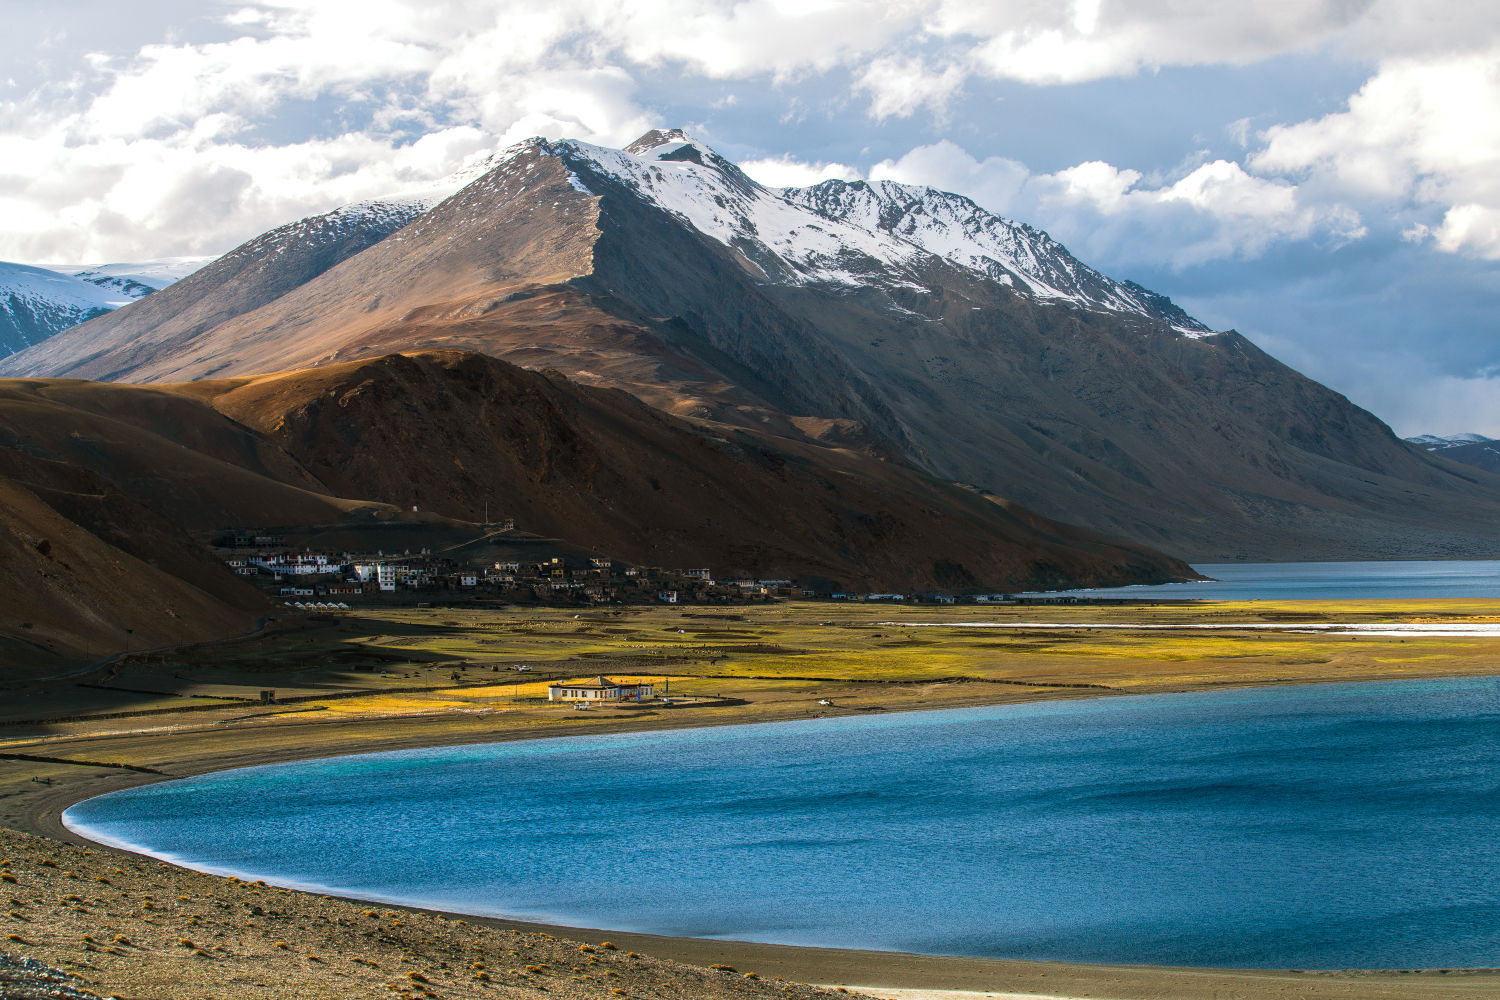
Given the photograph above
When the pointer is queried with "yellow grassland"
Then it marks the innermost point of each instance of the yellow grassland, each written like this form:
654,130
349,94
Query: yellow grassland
784,658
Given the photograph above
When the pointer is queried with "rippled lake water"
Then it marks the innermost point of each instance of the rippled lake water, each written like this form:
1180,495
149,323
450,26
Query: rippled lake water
1327,826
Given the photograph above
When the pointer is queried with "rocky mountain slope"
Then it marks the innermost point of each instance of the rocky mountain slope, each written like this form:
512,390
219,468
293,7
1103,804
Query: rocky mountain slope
113,346
1013,254
99,487
1469,449
104,488
453,431
903,321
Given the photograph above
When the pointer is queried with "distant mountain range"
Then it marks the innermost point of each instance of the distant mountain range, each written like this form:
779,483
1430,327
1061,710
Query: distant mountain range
39,302
1470,449
902,321
135,280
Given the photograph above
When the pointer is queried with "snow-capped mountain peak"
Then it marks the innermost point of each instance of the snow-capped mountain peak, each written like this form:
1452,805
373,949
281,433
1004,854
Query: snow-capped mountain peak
849,234
660,140
958,229
782,240
36,302
839,233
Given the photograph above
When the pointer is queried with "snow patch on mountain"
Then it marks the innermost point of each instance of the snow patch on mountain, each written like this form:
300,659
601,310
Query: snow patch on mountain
959,230
36,302
1436,442
137,279
782,240
851,234
330,227
1469,449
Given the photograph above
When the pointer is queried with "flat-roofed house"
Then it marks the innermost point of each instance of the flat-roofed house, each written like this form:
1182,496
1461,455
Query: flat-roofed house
601,689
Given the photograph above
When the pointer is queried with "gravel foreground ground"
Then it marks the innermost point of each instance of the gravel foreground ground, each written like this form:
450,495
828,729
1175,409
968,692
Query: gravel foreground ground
84,922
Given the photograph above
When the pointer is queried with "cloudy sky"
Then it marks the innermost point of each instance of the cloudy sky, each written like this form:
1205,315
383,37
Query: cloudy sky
1322,175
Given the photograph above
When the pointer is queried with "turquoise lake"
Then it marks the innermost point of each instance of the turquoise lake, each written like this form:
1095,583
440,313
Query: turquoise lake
1324,580
1326,826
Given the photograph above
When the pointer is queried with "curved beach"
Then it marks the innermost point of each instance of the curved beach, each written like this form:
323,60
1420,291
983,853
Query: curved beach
35,813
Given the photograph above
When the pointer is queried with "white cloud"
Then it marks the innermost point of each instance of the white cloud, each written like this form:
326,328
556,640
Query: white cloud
90,153
1419,131
786,171
994,182
1216,211
319,54
1470,228
750,38
1104,187
900,86
1044,42
157,154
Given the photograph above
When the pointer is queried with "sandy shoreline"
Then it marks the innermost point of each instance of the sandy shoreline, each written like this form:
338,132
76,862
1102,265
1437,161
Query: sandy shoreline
38,812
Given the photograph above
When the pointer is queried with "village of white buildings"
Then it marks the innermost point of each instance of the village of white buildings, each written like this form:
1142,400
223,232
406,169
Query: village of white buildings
304,578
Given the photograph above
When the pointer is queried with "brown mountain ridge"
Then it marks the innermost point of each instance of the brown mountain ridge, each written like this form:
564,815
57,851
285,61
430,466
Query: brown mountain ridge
109,490
592,262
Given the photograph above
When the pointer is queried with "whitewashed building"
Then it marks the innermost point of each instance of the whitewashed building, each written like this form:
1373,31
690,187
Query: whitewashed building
384,574
601,689
296,564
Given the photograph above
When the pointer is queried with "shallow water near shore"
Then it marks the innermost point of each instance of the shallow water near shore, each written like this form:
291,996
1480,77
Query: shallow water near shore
1298,581
1322,826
